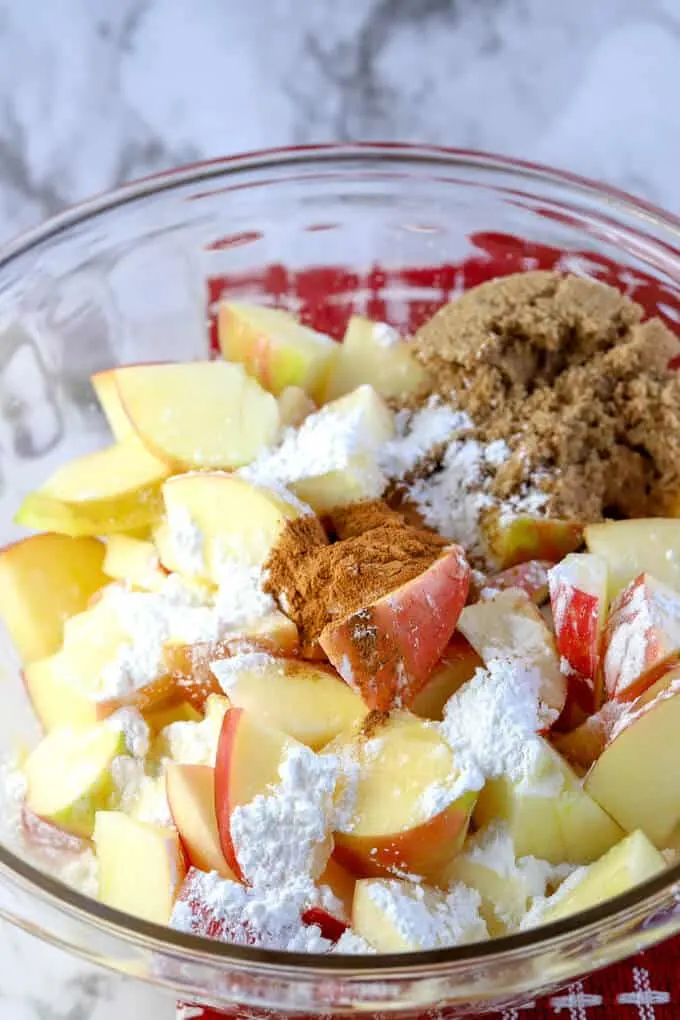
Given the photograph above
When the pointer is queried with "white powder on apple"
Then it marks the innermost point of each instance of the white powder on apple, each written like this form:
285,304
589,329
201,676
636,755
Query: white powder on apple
134,728
228,671
418,434
429,918
491,725
287,832
187,541
385,336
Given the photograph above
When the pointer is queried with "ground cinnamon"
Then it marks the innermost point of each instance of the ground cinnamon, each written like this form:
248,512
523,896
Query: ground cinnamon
375,552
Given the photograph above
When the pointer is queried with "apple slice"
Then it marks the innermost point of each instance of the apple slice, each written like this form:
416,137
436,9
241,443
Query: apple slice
55,700
203,414
457,664
584,744
141,866
374,353
509,626
44,580
630,862
308,702
274,347
194,743
69,776
404,917
135,562
115,489
642,637
387,650
630,548
549,815
412,806
633,777
531,577
230,517
578,596
294,406
191,796
105,387
519,539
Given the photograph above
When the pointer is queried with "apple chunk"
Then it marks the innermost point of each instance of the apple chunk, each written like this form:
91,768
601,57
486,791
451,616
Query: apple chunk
115,489
403,917
578,596
549,815
204,414
412,806
642,637
105,387
458,663
630,548
531,577
141,866
274,347
507,625
135,562
230,518
513,541
191,797
306,701
69,776
374,353
630,862
387,650
45,579
634,777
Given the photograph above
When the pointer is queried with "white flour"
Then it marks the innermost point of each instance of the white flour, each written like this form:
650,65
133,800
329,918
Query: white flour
286,833
134,728
193,743
352,944
385,336
187,541
269,917
429,918
228,671
418,434
491,722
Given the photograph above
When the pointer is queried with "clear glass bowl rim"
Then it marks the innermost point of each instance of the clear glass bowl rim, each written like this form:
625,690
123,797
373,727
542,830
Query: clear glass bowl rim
647,897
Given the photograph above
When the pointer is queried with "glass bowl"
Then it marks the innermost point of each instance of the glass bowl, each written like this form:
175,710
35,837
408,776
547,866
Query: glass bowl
390,231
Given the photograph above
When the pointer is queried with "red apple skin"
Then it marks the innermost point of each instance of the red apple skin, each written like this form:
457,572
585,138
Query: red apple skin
531,577
46,836
331,927
225,749
424,850
387,650
661,649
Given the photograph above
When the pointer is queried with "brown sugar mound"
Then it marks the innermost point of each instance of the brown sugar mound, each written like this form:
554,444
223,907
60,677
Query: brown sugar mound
564,371
377,552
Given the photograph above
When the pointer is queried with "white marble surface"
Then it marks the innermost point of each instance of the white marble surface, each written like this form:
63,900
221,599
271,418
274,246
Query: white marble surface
93,93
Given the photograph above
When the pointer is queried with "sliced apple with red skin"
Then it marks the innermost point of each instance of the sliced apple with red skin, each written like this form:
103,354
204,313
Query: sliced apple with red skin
114,489
457,664
509,626
45,579
584,744
105,387
135,562
519,539
531,577
203,414
248,757
191,797
48,837
275,348
645,545
374,353
235,519
141,866
578,597
392,827
387,650
634,777
642,637
308,702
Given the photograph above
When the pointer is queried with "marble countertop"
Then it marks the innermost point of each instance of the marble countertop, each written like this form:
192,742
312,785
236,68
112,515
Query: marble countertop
93,94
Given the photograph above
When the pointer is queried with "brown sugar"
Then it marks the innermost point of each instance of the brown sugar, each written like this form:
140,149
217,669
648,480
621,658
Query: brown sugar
565,373
377,552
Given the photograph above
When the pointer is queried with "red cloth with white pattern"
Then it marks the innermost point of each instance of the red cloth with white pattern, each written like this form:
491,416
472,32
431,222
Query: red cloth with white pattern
647,986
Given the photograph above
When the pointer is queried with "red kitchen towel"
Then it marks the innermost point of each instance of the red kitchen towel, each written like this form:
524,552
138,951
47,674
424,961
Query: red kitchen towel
646,987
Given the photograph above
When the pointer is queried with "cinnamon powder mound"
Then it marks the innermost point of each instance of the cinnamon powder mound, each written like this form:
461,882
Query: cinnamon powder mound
377,552
564,372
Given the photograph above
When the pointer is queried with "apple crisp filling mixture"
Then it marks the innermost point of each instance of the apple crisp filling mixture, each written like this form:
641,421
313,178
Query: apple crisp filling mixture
351,648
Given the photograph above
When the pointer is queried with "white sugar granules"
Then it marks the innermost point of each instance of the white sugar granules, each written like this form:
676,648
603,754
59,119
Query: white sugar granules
187,540
287,832
428,918
490,724
418,434
269,917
